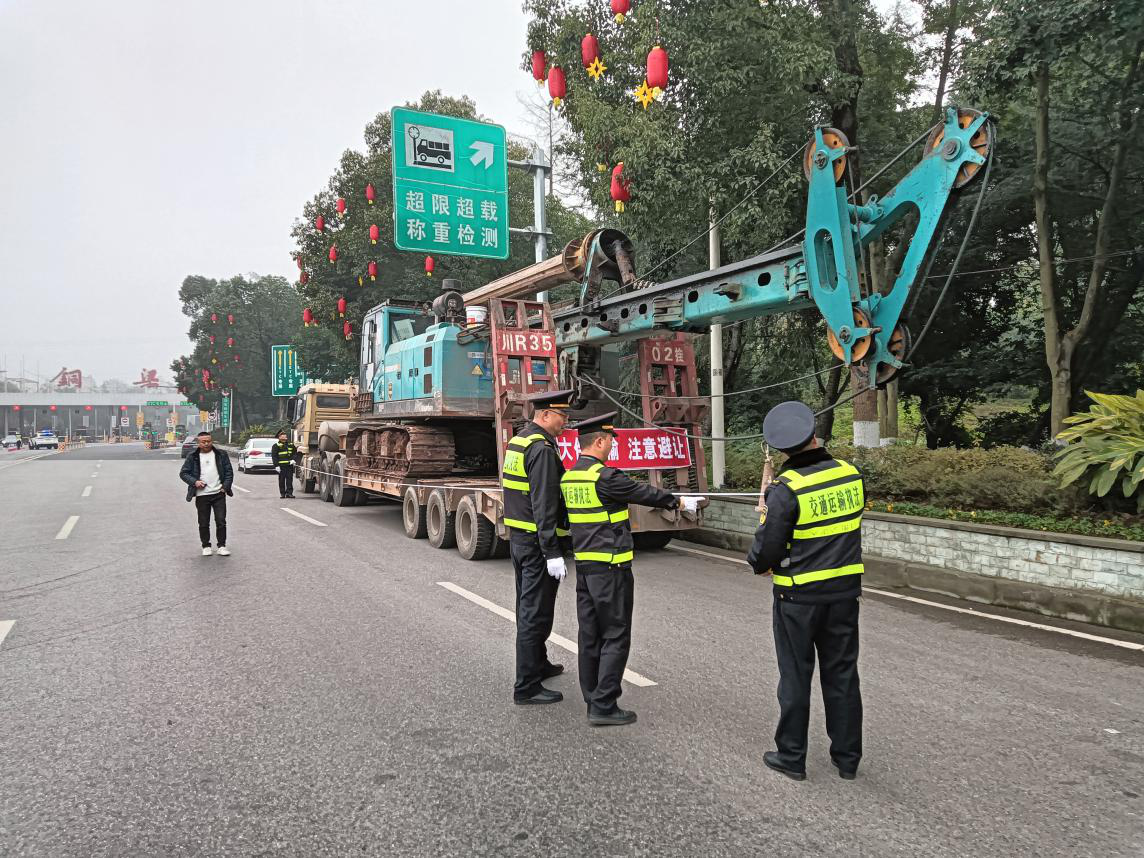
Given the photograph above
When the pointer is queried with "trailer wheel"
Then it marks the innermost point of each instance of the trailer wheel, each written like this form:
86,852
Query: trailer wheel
413,515
476,535
362,498
500,549
440,524
309,483
652,540
325,482
342,495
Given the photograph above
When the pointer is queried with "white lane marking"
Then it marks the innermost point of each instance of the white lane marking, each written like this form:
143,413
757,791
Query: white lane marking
1139,647
99,464
86,492
96,474
66,530
240,488
1106,729
8,465
560,641
303,517
5,627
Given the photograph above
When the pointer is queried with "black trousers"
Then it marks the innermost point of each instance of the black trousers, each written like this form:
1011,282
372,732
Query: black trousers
535,611
604,599
204,504
831,629
285,479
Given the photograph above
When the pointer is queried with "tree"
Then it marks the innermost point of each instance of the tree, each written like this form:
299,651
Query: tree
1071,72
323,349
265,310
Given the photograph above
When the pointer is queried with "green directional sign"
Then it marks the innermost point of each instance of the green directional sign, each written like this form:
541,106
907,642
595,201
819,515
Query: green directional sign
157,403
225,409
450,185
285,374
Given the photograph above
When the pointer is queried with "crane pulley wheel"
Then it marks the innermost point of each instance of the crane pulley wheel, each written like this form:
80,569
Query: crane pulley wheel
834,139
981,142
861,345
899,347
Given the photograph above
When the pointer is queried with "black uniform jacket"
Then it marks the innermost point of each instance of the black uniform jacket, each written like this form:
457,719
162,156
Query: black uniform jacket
772,540
542,464
190,472
616,486
280,448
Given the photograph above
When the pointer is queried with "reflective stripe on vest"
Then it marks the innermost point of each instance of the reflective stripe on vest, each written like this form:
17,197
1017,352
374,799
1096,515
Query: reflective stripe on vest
829,521
286,455
585,507
514,478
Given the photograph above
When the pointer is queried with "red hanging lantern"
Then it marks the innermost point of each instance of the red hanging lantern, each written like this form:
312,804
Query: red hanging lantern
657,68
206,375
374,233
539,64
307,317
372,269
320,223
304,278
236,359
557,85
342,307
589,50
214,318
429,266
348,330
230,342
212,339
621,191
333,253
298,259
369,194
341,205
620,8
230,318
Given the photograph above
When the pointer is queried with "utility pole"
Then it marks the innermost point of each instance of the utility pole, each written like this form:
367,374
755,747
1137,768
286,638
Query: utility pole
718,428
538,165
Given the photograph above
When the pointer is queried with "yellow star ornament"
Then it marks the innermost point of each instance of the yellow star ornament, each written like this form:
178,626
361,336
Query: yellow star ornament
596,69
644,95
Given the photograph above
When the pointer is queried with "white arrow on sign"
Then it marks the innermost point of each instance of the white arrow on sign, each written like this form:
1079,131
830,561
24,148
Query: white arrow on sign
482,151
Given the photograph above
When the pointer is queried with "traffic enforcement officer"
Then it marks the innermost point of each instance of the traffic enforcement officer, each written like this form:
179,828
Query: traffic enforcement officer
534,514
597,498
282,455
810,542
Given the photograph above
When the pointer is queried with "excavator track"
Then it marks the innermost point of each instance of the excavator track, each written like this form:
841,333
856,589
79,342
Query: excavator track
400,452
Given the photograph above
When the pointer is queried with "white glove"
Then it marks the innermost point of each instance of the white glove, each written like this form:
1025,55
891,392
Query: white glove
689,503
557,568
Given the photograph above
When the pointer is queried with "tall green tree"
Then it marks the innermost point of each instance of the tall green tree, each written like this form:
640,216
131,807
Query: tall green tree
265,310
323,349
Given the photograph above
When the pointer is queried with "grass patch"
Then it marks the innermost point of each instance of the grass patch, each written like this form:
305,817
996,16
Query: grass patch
1117,528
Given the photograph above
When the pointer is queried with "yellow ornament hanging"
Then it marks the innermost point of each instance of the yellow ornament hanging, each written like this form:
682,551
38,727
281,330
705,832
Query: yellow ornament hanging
644,95
596,69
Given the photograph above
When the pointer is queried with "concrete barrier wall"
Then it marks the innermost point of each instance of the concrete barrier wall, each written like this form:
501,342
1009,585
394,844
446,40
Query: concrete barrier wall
1077,577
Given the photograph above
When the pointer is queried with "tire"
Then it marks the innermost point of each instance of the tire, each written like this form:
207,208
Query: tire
413,515
241,470
440,524
362,498
309,485
652,540
340,493
500,549
325,483
476,535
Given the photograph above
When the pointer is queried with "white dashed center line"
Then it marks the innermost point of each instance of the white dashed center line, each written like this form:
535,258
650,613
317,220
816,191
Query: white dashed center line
241,489
5,627
560,641
66,530
313,521
86,492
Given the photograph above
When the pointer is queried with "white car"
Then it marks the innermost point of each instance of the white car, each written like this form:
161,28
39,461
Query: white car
12,442
46,440
255,456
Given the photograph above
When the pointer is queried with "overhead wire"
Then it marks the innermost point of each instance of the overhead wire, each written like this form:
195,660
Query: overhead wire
771,386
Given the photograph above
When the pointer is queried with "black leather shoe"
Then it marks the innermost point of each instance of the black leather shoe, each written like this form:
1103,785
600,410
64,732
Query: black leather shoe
771,760
544,695
551,670
845,774
616,718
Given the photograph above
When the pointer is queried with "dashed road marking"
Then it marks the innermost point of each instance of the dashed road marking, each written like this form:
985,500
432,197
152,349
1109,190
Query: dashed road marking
66,530
96,474
303,517
8,465
86,492
99,464
241,489
5,627
560,641
1139,647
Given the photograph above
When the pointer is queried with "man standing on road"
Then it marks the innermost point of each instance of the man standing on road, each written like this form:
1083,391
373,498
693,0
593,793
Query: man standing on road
534,514
282,455
597,498
810,542
209,476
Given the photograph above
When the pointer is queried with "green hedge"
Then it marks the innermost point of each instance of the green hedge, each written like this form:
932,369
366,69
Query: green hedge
1118,528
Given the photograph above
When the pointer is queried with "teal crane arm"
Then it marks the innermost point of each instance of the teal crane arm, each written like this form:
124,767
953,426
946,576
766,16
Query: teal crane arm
820,272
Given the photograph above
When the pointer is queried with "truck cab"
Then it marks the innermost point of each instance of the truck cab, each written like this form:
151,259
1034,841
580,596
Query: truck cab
315,403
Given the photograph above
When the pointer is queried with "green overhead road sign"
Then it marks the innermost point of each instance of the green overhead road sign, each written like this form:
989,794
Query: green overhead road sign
450,185
285,374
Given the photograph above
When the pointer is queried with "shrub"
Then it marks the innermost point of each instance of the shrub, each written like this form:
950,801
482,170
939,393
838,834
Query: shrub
1106,446
1011,429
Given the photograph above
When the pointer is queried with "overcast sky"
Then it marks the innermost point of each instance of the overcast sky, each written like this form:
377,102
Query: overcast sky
143,141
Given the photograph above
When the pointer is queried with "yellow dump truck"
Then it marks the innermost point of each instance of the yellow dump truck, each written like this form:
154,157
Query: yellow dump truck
321,415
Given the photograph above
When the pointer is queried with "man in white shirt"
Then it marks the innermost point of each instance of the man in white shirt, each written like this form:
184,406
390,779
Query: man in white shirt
209,475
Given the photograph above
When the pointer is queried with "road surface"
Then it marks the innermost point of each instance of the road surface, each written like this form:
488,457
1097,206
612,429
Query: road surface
340,689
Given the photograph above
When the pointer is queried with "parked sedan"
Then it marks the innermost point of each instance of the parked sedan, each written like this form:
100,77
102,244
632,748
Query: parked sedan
12,442
255,456
189,445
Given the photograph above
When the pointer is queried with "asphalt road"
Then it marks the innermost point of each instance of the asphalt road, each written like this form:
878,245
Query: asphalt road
320,693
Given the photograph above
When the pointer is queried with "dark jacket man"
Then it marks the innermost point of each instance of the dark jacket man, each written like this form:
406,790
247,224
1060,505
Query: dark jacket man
190,472
810,542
